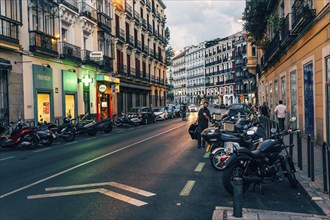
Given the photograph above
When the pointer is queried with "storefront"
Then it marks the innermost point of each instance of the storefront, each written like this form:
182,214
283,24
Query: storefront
69,96
106,88
5,67
43,93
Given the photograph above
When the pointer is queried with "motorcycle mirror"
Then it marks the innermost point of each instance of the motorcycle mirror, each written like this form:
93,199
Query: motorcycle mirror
293,119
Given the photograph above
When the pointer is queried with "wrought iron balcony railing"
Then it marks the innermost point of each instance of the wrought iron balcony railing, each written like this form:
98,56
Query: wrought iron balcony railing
43,43
122,69
150,28
120,34
88,11
151,52
9,30
70,51
107,64
144,23
72,4
86,59
104,21
137,16
302,12
286,28
148,4
272,48
128,9
138,45
145,49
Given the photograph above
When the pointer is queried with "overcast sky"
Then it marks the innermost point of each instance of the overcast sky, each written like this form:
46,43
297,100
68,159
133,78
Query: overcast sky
194,21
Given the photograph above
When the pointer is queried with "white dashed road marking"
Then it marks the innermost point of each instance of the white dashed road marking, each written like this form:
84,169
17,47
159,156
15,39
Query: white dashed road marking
199,167
187,188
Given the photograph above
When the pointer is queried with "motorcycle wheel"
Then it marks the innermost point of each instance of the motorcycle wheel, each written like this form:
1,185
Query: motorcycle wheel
215,160
228,176
71,137
291,175
49,141
108,129
33,140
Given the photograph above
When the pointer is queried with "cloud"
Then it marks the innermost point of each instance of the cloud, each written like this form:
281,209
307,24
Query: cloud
191,22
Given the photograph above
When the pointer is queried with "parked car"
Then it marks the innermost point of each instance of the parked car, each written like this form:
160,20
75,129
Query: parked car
177,110
220,106
192,108
170,111
241,108
160,113
144,115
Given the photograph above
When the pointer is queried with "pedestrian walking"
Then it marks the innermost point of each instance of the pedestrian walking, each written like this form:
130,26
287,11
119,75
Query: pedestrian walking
203,122
264,110
280,111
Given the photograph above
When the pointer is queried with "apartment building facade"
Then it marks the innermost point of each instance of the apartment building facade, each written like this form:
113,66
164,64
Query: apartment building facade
295,65
195,70
68,64
140,53
180,78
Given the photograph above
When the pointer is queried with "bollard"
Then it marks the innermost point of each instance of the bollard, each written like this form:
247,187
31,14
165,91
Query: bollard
324,163
291,148
309,155
312,160
299,150
238,197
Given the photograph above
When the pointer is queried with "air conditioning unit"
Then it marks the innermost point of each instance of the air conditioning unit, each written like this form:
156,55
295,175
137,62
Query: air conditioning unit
96,56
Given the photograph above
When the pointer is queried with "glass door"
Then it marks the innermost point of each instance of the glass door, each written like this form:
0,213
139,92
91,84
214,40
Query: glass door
328,99
309,99
4,109
70,106
43,109
293,96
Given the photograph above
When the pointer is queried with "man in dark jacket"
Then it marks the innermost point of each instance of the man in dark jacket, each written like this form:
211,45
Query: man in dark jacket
203,122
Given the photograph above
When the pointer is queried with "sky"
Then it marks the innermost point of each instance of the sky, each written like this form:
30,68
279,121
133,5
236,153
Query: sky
194,21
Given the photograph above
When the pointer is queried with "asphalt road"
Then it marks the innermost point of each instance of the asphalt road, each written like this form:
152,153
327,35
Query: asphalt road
148,172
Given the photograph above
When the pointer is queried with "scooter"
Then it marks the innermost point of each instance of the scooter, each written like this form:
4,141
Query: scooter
45,135
86,126
22,136
65,131
104,125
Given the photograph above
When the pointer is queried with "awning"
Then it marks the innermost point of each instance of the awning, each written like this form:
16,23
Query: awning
102,77
5,64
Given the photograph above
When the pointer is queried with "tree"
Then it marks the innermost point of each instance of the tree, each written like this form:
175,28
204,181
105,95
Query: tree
169,49
255,18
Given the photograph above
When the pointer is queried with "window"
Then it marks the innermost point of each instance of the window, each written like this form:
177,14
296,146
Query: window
293,95
64,34
327,63
283,89
276,92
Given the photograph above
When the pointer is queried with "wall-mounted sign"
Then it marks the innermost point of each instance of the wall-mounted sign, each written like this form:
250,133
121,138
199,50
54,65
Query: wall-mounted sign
102,88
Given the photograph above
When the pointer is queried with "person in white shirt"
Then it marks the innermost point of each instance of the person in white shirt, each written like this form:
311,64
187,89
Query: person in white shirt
280,111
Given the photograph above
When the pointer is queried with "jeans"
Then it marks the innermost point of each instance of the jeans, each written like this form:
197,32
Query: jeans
199,137
281,123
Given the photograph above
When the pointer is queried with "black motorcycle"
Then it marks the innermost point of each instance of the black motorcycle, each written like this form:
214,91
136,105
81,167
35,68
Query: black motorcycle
268,163
65,131
105,125
85,126
45,135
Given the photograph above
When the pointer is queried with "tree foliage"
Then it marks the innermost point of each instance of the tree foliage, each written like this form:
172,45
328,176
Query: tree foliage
169,49
255,18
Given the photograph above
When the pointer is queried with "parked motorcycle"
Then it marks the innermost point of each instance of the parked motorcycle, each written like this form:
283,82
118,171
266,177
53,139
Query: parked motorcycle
85,126
45,135
22,136
268,163
105,125
65,131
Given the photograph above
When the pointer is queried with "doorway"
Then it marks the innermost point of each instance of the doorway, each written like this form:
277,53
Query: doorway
293,96
4,105
105,108
43,107
70,106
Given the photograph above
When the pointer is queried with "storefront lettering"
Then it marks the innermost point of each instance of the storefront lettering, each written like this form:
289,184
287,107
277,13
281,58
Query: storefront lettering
43,77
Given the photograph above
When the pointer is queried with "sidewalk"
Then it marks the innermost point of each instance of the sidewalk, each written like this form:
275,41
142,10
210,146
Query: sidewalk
315,190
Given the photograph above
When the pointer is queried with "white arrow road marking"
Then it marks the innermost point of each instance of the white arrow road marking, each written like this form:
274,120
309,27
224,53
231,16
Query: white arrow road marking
106,192
187,188
114,184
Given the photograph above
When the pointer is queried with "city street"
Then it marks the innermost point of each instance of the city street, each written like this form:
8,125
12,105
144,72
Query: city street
146,172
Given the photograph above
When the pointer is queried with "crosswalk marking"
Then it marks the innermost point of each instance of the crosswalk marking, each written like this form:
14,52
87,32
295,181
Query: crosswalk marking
199,167
187,188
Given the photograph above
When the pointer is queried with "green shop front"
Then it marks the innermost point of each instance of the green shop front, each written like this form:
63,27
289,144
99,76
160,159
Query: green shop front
43,93
69,94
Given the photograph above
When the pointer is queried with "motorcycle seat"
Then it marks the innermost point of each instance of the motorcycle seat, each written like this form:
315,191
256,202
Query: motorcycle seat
229,137
257,154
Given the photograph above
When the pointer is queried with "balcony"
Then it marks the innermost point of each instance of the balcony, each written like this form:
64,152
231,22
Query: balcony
144,24
229,81
130,40
120,34
70,51
302,13
138,45
107,64
137,17
122,70
145,50
148,4
220,83
104,21
286,29
131,72
128,9
72,4
86,59
9,30
151,52
150,28
43,43
272,49
88,11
